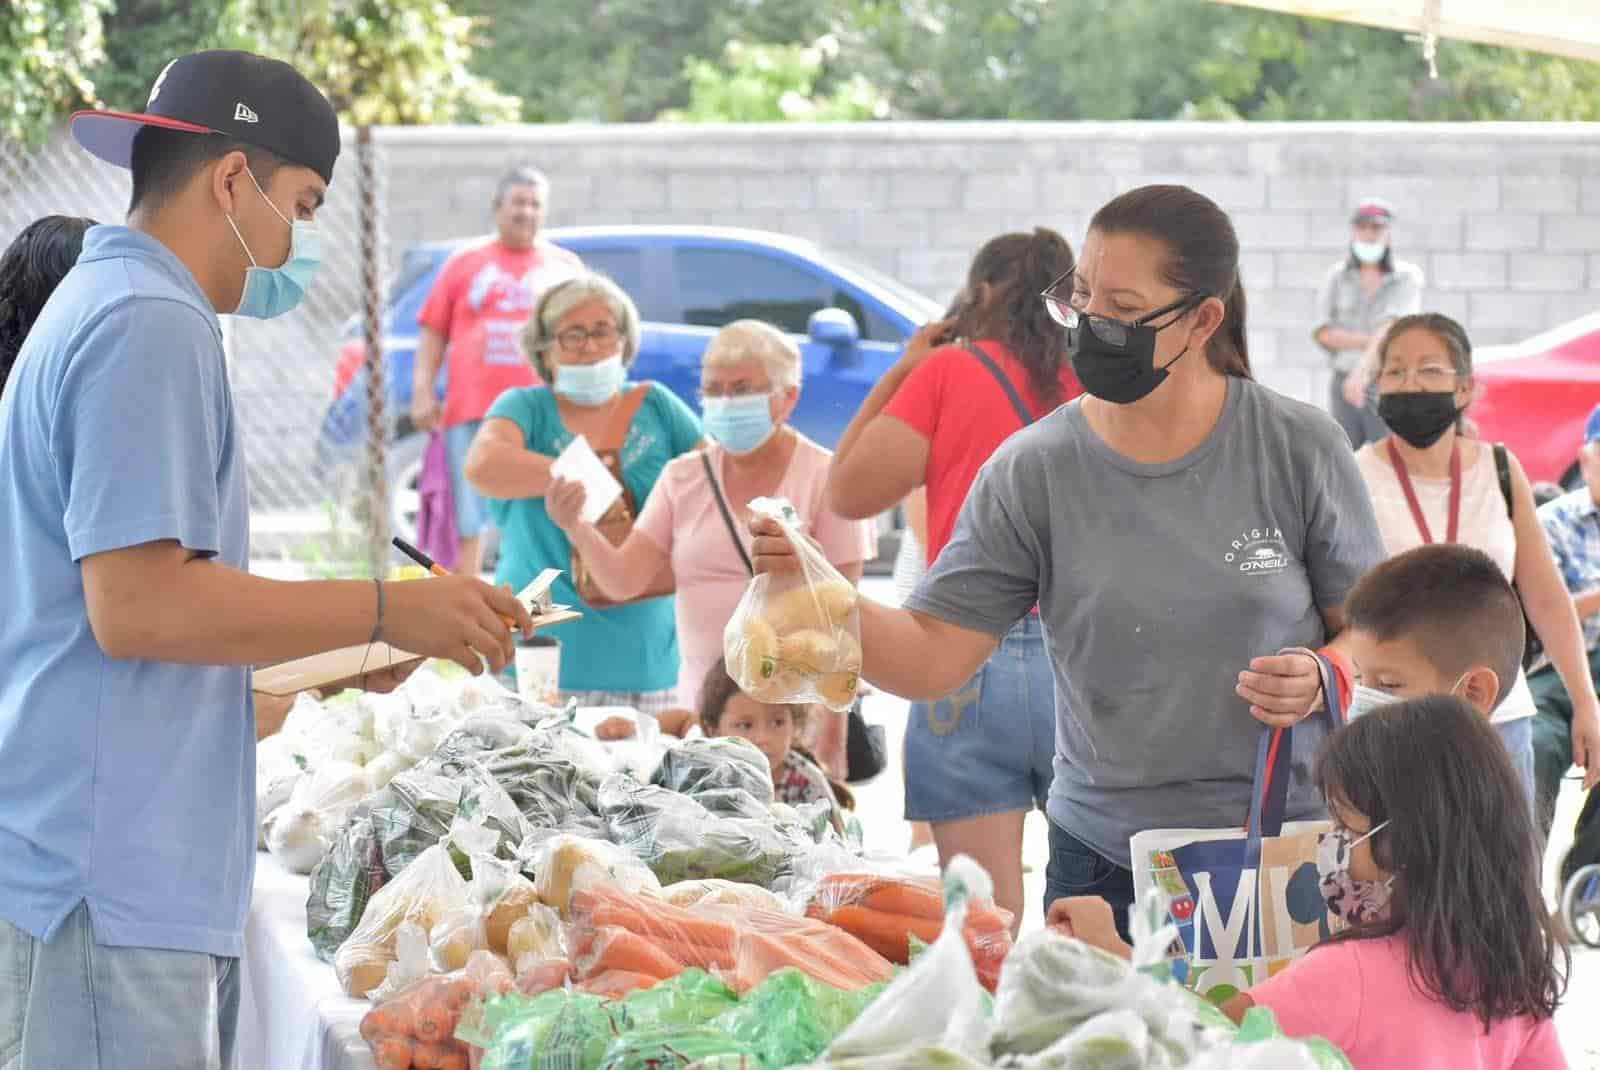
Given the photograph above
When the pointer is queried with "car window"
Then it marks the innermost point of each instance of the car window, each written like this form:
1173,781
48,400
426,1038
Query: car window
625,266
718,286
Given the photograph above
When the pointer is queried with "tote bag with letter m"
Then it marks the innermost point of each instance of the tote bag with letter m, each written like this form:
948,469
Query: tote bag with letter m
1245,901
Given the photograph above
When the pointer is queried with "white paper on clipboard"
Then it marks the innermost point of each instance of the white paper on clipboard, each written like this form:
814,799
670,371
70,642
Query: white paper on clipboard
580,464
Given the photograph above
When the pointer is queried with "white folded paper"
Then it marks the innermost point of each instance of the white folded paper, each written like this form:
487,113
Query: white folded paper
580,464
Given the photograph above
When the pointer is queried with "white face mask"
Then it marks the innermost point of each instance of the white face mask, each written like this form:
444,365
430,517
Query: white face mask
1369,252
1364,699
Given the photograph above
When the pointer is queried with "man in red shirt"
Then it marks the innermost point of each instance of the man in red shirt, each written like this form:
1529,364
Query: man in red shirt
473,319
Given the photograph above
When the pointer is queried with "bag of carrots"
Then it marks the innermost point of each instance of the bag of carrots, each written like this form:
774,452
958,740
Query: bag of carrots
417,1027
886,911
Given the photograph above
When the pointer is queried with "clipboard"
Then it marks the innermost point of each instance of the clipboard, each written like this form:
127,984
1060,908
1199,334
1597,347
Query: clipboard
335,670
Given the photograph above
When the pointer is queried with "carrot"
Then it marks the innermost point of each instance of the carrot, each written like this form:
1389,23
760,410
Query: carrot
761,954
619,949
887,934
614,984
691,940
551,973
432,1056
393,1053
384,1021
437,1022
454,1060
917,898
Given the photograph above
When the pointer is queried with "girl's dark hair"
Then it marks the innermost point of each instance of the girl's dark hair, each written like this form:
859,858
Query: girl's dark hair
718,690
1465,855
1018,267
30,269
1440,326
1203,257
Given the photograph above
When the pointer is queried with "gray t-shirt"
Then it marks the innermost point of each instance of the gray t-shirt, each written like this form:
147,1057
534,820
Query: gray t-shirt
1157,585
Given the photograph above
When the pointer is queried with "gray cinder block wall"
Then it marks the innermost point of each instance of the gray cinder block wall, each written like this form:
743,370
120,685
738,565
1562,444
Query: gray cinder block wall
1503,218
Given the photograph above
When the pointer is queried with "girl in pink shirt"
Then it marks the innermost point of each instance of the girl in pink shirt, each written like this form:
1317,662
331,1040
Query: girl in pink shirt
1448,958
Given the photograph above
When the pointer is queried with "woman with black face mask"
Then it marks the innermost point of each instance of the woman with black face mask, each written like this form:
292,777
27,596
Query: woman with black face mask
1431,483
1180,530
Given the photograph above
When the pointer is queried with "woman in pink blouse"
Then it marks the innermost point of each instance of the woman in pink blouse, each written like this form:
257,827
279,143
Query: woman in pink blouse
749,385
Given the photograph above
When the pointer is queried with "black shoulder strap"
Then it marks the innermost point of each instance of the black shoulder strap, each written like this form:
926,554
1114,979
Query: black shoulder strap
1005,384
727,514
1502,467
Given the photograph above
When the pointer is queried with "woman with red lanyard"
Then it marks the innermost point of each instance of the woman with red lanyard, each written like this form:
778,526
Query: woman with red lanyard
977,761
1429,482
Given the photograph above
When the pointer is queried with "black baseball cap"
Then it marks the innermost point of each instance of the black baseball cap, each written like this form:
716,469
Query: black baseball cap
259,101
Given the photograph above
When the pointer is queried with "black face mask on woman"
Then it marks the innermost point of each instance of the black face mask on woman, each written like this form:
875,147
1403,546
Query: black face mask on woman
1116,361
1420,417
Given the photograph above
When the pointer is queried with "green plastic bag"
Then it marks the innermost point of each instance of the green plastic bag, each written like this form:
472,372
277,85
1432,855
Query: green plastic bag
693,998
791,1018
1260,1024
558,1030
677,1049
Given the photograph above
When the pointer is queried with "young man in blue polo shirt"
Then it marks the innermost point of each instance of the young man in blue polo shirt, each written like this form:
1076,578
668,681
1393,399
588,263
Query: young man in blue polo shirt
127,764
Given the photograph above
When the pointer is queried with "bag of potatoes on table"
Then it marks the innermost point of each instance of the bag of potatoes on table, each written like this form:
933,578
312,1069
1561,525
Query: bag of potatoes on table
796,638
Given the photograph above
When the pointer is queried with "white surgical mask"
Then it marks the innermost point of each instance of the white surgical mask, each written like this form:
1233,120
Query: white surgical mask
1369,252
1364,699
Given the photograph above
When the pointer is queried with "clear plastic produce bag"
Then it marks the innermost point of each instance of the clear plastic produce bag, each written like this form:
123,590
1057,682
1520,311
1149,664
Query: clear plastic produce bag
796,638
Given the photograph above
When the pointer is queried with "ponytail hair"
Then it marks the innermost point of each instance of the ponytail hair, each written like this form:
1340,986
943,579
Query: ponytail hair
1017,268
1203,256
30,269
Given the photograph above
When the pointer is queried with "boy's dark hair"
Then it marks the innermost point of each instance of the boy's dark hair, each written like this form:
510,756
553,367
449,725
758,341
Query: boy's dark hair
30,269
1466,858
1453,602
165,160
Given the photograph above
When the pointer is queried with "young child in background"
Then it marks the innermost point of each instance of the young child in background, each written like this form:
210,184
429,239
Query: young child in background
1449,959
1439,619
796,776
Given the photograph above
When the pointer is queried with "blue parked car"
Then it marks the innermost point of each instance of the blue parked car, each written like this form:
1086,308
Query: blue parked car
850,321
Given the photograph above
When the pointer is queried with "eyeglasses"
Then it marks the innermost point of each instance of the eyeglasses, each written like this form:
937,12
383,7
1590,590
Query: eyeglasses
1112,332
734,390
1430,377
574,339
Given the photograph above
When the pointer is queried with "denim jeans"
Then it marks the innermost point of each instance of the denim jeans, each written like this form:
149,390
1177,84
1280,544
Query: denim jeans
72,1004
1077,869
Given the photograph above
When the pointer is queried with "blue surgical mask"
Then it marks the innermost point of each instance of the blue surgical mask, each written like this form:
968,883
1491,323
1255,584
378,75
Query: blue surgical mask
591,384
740,424
270,292
1369,252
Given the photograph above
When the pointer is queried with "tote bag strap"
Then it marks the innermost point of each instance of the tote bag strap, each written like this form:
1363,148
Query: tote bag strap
1269,787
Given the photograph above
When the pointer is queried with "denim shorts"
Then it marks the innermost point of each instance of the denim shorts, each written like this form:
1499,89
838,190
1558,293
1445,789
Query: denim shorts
74,1003
987,749
472,508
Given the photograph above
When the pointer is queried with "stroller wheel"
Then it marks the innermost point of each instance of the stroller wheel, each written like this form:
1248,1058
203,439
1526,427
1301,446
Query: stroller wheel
1580,905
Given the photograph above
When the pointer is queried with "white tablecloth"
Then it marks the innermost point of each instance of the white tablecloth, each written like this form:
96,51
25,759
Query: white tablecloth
292,1013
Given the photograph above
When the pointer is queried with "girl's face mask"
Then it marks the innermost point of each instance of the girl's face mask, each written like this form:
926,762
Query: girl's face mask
1355,902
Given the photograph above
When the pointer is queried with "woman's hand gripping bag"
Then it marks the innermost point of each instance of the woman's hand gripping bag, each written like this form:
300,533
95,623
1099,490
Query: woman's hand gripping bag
796,638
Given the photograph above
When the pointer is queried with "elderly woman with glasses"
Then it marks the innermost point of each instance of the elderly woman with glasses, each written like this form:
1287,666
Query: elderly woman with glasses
697,519
582,339
1430,483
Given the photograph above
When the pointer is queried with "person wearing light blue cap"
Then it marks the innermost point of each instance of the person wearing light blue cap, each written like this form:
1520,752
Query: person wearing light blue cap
1572,524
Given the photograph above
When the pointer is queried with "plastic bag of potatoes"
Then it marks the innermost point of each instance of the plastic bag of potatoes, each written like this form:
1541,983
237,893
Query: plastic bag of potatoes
796,638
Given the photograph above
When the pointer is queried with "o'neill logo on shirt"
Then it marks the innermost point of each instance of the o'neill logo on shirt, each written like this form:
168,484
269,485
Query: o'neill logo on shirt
1258,552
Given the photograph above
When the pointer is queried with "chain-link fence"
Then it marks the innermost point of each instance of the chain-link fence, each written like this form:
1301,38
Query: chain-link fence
305,460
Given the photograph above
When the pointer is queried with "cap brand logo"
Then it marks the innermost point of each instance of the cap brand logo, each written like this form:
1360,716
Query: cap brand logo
242,114
155,90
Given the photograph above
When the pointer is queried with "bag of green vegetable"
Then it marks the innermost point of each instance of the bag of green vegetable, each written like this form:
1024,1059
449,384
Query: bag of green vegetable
693,998
920,1057
419,807
558,1030
350,873
724,763
681,840
791,1018
676,1049
1261,1045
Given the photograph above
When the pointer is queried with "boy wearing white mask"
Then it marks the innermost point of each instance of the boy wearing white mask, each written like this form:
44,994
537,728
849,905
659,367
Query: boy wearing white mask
1361,295
127,761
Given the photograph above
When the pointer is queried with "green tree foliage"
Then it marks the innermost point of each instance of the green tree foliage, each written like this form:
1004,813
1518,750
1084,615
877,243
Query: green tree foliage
769,83
47,48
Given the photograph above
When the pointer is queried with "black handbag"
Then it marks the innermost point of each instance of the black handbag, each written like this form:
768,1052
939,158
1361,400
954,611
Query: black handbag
866,746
